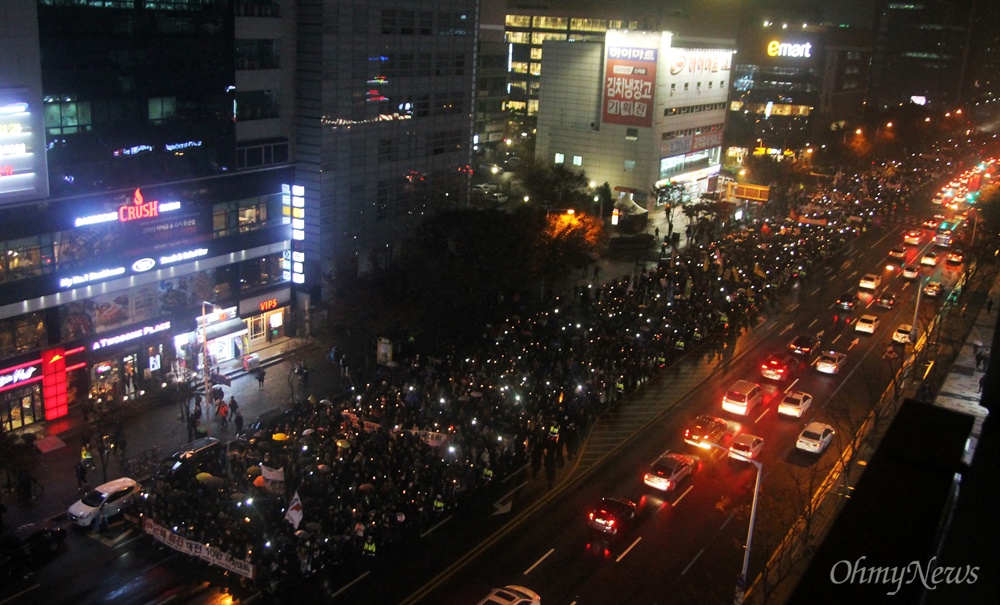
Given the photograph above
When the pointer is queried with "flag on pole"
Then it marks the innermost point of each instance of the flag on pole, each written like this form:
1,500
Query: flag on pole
294,514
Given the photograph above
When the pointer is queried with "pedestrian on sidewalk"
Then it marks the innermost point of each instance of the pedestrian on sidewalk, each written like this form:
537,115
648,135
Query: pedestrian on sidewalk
238,422
233,406
260,379
81,475
86,455
222,411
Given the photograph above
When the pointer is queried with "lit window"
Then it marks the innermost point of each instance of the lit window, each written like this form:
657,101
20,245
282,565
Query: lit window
560,158
578,160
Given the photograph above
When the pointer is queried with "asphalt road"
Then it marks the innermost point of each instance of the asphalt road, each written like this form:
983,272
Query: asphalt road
686,546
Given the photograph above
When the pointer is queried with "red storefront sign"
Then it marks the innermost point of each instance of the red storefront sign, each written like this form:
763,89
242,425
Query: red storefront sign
629,82
51,370
139,208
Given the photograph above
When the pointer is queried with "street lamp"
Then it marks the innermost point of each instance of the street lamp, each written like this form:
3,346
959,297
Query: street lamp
204,363
742,578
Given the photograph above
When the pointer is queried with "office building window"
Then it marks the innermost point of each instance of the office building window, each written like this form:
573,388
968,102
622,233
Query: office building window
560,158
578,160
629,165
67,117
631,134
161,109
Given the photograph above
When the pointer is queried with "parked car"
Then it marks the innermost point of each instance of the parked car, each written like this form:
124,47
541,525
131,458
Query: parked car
705,429
24,547
746,447
867,323
512,595
902,333
805,345
668,470
109,499
815,437
201,455
611,516
795,404
830,362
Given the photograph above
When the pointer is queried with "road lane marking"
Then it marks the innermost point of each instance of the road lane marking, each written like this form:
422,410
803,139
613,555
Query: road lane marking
761,415
631,546
681,497
789,387
787,328
443,521
793,307
349,584
726,522
538,562
814,292
812,323
836,339
692,561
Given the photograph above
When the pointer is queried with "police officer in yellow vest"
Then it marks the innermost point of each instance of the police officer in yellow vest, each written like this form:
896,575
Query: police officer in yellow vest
487,474
369,547
438,504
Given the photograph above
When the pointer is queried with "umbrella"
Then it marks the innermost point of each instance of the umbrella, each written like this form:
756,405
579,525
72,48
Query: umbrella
312,399
212,481
308,432
323,468
236,496
302,534
366,487
313,526
258,482
279,437
343,443
203,477
177,494
253,470
325,402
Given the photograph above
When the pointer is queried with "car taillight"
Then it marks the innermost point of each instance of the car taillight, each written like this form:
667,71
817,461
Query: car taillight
591,516
687,432
611,522
669,484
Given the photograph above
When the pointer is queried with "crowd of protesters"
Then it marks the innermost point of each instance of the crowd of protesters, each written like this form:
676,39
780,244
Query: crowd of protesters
418,440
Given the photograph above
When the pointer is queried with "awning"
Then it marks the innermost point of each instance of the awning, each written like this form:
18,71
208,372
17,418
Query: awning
230,327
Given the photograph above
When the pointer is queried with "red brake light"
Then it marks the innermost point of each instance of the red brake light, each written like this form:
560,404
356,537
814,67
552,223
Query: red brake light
591,516
611,522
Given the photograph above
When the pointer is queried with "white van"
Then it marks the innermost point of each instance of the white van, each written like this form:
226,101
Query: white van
742,397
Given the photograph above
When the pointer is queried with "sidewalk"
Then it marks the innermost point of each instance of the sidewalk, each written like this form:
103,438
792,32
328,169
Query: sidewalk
59,442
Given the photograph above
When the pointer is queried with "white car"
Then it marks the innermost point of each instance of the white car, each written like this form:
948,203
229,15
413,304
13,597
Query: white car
815,437
897,252
109,498
668,470
830,362
512,595
912,238
795,404
870,282
933,289
866,323
911,272
902,334
930,259
746,447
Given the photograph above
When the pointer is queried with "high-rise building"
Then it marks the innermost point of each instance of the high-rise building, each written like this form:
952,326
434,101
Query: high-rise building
635,111
147,194
920,52
384,108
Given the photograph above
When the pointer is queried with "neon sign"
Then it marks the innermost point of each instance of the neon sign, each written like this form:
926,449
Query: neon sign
139,208
784,49
267,305
127,336
143,264
18,375
174,258
76,280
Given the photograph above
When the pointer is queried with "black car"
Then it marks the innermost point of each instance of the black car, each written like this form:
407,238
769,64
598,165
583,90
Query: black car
780,367
806,345
611,516
886,301
207,454
847,301
23,548
266,422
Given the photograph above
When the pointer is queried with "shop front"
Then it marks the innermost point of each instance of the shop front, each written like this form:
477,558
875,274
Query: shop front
40,389
265,317
125,365
221,334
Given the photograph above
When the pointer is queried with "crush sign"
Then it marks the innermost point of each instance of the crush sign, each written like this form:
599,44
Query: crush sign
629,79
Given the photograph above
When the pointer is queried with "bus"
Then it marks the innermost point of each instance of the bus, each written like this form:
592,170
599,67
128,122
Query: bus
945,235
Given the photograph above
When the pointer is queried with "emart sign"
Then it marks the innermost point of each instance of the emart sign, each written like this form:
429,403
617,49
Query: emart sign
786,49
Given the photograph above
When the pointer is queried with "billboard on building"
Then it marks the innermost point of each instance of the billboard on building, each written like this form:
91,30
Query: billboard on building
630,60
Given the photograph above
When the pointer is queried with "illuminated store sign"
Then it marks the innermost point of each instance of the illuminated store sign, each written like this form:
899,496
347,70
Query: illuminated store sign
138,209
629,80
180,146
176,258
143,264
293,203
76,280
22,169
784,49
20,375
132,335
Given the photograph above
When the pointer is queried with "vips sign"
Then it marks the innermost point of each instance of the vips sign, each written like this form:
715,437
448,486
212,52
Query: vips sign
629,80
